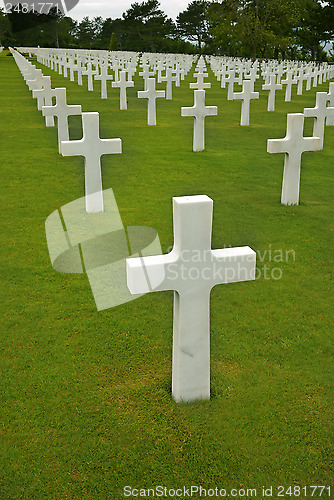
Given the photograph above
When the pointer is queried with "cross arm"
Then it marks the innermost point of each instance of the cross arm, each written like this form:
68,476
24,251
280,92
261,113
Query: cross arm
146,274
72,148
277,145
233,264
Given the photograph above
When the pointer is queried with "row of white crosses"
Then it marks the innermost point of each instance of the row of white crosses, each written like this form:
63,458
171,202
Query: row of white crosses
91,147
192,234
233,72
294,143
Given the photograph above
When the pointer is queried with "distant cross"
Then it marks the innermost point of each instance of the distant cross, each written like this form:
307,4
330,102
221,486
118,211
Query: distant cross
37,82
44,98
80,68
289,81
62,111
329,119
199,111
320,112
89,72
191,269
293,145
104,77
272,86
72,67
200,84
92,148
246,95
151,94
224,78
169,79
146,73
40,93
231,81
300,79
123,84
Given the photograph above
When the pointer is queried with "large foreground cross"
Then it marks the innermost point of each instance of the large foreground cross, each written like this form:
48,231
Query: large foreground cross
191,269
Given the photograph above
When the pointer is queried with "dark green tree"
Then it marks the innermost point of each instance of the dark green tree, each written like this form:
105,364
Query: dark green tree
145,27
113,45
316,28
193,23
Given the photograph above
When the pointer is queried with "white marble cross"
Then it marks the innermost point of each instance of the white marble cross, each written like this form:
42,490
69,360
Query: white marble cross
200,84
123,84
231,81
191,269
293,145
90,72
169,79
37,82
44,98
272,86
329,119
246,95
146,73
151,94
80,68
199,111
300,79
92,148
40,93
104,77
320,112
289,81
62,111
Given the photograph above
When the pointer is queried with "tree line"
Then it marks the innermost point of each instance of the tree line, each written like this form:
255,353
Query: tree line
292,29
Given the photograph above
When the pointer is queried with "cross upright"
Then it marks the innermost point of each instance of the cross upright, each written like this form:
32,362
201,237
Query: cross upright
289,81
151,94
320,112
41,93
191,270
300,79
329,119
123,84
231,81
44,98
92,148
37,82
62,111
200,84
199,111
293,145
246,95
90,72
224,78
272,86
80,68
169,79
104,77
146,73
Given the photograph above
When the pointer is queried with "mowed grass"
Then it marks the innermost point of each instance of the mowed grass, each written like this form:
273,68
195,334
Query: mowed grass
86,405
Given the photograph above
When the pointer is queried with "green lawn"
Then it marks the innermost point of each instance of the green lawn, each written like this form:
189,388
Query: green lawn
86,405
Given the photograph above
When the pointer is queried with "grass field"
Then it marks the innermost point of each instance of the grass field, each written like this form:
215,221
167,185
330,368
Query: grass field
86,405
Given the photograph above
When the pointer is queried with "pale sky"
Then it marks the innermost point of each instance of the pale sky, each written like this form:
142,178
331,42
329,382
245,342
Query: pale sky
115,8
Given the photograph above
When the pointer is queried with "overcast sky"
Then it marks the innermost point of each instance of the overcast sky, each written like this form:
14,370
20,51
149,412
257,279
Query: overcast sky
115,8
